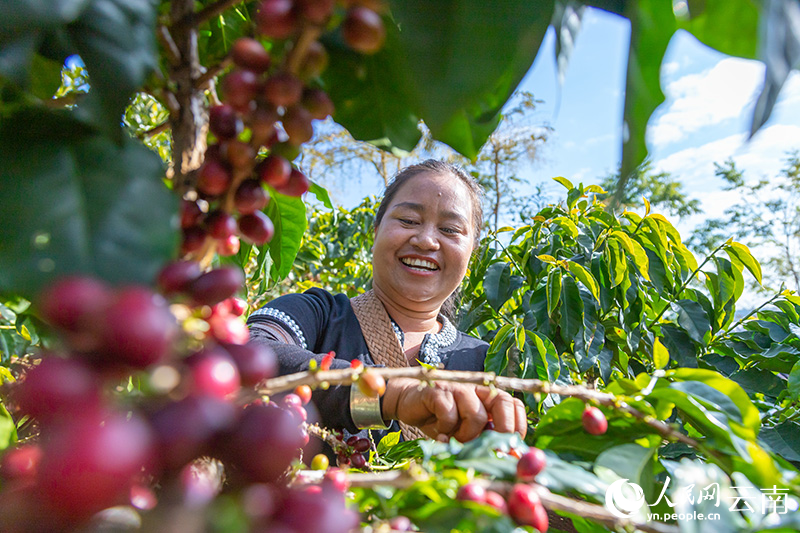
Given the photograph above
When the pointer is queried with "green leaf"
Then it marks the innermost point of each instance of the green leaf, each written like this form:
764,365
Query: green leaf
794,382
388,442
571,309
585,277
497,284
321,194
567,225
45,77
660,354
740,253
626,461
288,214
553,290
8,430
693,319
497,356
565,182
638,253
729,26
783,439
548,355
652,26
116,41
73,202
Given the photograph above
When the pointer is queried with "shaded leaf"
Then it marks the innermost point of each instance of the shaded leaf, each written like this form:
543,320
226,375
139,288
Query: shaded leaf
553,290
288,214
497,284
8,430
692,318
783,439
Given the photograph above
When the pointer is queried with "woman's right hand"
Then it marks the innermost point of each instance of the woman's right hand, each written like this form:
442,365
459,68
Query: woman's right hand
448,409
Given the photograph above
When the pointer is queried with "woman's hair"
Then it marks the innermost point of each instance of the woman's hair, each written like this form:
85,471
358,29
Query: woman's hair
436,167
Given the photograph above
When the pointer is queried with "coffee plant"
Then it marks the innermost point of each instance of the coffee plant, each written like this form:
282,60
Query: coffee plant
149,194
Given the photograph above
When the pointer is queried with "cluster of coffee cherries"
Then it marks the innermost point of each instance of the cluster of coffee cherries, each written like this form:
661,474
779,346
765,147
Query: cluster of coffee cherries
268,106
133,399
522,502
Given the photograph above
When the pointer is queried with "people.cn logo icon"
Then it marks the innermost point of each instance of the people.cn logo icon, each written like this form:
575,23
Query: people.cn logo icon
624,499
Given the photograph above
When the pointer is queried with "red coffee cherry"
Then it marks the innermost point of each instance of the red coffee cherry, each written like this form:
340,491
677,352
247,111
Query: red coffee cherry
74,303
594,421
497,501
214,373
220,224
522,501
304,393
216,285
228,246
224,122
283,89
297,124
250,197
190,214
240,88
318,103
276,19
214,177
256,362
530,464
335,479
90,463
316,11
256,228
363,30
176,276
357,460
274,171
228,329
297,185
371,384
20,463
192,239
362,445
250,54
471,492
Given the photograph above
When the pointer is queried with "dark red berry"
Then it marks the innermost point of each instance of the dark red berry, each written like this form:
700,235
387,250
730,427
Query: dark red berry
256,227
250,54
91,463
351,440
228,246
240,88
306,511
250,197
220,224
176,276
530,464
358,461
363,30
274,171
297,185
192,239
297,125
74,303
214,373
594,421
190,213
237,306
283,89
316,11
317,102
139,328
262,124
336,479
224,122
362,445
214,177
216,285
239,154
276,19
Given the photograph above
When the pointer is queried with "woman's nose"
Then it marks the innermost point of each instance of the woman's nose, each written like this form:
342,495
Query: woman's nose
425,238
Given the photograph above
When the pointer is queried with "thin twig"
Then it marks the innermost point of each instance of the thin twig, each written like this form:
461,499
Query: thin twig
170,48
294,60
155,130
213,72
347,376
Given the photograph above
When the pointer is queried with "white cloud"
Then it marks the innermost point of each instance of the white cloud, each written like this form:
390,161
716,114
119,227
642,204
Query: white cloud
725,91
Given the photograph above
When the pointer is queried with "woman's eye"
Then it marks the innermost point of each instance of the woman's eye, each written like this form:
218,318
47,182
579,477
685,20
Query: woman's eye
451,231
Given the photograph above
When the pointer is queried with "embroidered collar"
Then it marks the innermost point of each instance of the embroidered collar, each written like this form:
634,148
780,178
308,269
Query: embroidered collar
432,343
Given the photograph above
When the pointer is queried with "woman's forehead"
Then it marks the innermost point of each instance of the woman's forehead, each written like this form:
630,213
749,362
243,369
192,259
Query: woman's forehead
429,187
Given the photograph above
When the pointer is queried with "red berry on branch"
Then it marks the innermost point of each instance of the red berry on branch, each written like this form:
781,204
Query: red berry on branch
228,329
250,54
522,502
192,239
594,421
283,89
176,276
190,214
297,125
20,463
316,11
139,329
530,464
216,285
224,122
276,18
274,171
74,303
327,359
239,154
351,440
371,384
362,445
317,102
471,492
540,522
229,246
357,460
297,185
237,306
220,224
213,373
497,501
256,228
214,177
240,88
363,30
335,479
250,197
256,362
304,393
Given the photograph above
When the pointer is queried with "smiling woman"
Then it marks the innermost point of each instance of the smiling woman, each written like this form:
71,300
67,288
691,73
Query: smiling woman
425,231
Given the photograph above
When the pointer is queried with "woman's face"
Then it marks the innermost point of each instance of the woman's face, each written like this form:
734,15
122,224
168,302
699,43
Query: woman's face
424,241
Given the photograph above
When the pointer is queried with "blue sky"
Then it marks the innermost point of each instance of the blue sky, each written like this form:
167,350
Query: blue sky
704,120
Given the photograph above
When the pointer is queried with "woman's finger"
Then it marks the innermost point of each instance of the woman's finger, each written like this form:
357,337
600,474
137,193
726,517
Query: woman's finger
521,416
501,406
471,412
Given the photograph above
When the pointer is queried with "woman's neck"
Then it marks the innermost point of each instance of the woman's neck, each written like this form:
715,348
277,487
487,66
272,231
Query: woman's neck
410,320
